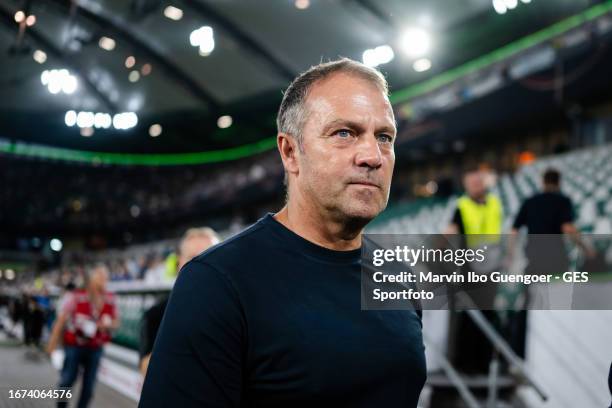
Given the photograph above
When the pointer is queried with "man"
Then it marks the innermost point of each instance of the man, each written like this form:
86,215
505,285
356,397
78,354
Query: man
547,216
194,242
86,319
478,212
272,317
478,217
549,212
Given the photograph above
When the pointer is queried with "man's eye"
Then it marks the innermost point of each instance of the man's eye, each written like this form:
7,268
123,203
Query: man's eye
385,138
343,133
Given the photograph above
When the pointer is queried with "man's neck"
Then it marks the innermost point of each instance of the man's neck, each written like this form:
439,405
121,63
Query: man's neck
319,229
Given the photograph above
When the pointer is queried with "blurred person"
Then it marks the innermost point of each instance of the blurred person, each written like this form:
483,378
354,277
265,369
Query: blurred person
478,218
549,212
194,242
86,321
17,312
272,316
478,212
547,216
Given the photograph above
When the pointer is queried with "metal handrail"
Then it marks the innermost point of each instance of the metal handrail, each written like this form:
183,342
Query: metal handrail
453,375
502,346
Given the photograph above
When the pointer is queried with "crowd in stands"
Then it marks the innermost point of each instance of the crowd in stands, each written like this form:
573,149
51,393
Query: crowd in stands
60,195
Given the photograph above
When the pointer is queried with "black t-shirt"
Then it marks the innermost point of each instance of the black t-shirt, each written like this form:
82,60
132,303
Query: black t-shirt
545,213
150,326
269,319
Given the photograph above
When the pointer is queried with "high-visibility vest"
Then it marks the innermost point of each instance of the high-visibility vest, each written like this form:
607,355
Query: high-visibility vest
481,218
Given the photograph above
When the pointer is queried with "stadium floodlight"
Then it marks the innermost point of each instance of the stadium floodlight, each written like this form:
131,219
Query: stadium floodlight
204,39
85,119
70,118
421,65
511,4
500,6
125,120
130,61
225,121
173,13
102,120
31,20
59,80
377,56
415,42
9,274
134,76
19,16
106,43
302,4
56,245
155,130
40,56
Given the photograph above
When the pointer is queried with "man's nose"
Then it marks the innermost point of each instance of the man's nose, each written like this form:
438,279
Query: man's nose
368,152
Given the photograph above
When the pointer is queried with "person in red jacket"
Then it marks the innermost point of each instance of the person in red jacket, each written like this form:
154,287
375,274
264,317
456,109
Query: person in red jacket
86,320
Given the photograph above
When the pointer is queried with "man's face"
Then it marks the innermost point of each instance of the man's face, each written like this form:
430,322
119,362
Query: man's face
347,161
99,278
474,184
192,247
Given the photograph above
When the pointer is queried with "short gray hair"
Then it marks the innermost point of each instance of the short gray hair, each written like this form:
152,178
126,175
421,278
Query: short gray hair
292,114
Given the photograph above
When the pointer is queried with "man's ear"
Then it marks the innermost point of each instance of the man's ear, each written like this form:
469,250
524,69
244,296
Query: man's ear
289,152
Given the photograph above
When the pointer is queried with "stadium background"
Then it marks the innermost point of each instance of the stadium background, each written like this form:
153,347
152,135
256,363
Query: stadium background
123,123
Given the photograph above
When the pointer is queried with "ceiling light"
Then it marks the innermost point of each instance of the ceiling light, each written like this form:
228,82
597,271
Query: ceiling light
422,64
40,56
499,6
377,56
102,120
85,119
415,42
69,84
155,130
203,38
87,132
106,43
130,61
56,244
225,121
511,4
19,16
134,76
59,80
10,274
173,13
70,118
125,120
302,4
146,69
31,20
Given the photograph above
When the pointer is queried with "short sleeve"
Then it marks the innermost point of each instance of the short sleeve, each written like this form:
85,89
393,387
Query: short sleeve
567,211
199,352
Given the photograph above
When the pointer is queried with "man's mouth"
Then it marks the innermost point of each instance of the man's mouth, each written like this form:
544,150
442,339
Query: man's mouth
365,183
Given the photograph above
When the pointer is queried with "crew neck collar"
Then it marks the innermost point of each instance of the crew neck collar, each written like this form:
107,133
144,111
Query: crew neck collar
310,248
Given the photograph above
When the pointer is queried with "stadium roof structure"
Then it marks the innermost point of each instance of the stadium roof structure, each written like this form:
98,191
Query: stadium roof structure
188,65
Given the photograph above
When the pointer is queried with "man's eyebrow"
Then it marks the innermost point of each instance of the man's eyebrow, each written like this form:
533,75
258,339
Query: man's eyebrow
341,122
